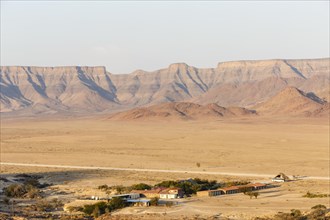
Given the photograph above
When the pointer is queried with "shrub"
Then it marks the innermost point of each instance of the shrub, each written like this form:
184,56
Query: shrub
48,206
44,206
235,183
15,190
256,194
319,206
318,214
191,186
154,201
32,193
74,209
103,187
245,190
117,203
141,186
96,212
102,207
315,195
198,164
250,194
28,189
296,213
6,200
120,189
169,204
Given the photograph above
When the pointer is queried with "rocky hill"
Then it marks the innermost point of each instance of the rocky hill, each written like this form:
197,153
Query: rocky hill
292,101
182,111
37,90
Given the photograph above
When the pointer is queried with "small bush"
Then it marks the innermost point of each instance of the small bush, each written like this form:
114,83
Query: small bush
315,195
43,206
96,212
74,209
100,208
154,201
103,187
6,200
319,206
120,189
141,186
117,203
15,190
32,193
169,204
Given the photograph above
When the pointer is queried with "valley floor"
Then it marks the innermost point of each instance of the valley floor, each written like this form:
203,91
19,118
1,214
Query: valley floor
259,148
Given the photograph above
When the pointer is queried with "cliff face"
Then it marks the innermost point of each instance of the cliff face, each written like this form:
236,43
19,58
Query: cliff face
93,89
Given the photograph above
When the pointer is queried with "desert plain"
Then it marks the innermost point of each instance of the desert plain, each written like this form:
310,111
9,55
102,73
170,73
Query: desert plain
252,149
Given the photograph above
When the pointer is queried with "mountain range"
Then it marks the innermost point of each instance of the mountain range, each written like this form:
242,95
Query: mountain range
84,90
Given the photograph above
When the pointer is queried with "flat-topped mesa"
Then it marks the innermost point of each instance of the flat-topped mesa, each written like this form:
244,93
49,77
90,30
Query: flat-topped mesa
271,62
178,67
57,69
93,89
245,63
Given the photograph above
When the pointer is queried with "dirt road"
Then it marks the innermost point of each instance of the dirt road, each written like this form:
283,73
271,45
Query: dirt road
154,170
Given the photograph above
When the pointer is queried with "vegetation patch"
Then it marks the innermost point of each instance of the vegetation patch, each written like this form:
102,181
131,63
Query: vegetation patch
315,195
318,212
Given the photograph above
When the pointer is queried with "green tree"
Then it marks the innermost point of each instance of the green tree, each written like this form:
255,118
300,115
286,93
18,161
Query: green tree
141,186
117,203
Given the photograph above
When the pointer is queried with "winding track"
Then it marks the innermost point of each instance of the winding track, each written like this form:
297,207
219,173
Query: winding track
154,170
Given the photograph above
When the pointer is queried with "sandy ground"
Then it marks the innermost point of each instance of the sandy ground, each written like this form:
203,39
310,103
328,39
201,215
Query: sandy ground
296,147
257,146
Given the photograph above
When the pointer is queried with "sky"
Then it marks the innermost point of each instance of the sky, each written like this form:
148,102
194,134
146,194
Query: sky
125,36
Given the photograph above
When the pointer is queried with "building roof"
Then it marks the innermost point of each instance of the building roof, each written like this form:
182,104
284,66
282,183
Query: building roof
120,195
138,200
158,190
167,190
230,188
258,184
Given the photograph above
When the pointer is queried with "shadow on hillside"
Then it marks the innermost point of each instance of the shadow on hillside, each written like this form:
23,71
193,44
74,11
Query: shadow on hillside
59,177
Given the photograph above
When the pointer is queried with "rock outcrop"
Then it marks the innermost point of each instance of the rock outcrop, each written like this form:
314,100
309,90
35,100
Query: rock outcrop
93,89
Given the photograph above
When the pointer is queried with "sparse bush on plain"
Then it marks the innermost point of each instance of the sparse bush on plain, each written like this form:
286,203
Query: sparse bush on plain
32,193
6,200
30,188
235,183
154,201
120,189
48,205
15,190
75,209
104,187
100,208
319,206
141,186
315,195
169,204
252,194
318,212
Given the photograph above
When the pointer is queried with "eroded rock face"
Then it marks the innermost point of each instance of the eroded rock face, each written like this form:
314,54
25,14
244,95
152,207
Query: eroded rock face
292,101
93,89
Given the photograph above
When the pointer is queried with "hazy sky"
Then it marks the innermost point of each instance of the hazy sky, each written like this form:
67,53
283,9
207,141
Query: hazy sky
125,36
